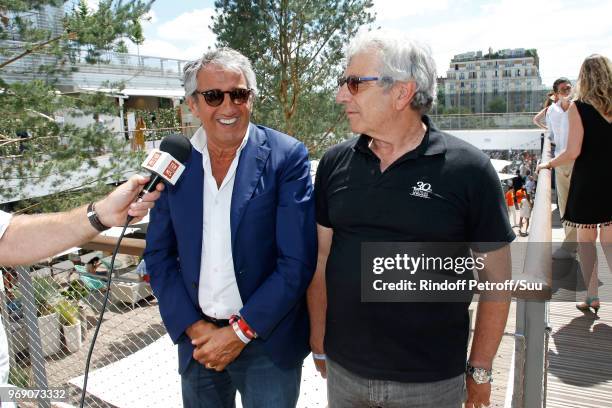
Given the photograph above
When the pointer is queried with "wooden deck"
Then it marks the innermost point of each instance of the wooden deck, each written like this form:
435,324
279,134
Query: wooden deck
580,358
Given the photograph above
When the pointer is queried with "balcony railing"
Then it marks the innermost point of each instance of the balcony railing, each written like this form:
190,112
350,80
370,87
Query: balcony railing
107,59
521,120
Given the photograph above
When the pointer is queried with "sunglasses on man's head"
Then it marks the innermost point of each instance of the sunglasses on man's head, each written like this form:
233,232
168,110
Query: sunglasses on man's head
215,97
352,82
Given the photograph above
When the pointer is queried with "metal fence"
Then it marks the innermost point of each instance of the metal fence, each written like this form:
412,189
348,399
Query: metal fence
49,313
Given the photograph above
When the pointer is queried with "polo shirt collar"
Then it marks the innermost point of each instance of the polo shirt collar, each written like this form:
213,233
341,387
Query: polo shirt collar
433,142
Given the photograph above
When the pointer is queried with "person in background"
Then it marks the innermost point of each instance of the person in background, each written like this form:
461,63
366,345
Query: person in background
557,117
530,185
92,265
517,181
589,144
523,169
525,213
511,204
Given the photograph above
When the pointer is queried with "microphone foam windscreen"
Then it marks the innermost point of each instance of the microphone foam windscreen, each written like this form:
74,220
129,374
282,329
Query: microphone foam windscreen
177,145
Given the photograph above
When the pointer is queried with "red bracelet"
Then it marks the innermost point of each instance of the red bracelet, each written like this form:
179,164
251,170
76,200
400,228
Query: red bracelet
244,327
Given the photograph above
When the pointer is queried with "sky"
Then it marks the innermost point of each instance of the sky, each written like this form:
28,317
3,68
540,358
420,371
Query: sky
564,32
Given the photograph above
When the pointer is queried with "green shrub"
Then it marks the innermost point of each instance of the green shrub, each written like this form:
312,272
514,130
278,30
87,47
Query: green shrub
19,376
68,312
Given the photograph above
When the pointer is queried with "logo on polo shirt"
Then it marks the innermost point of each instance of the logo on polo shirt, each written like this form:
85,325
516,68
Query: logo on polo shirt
421,190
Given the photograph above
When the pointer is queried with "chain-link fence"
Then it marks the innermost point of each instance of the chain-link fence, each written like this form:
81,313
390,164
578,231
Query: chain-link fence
50,312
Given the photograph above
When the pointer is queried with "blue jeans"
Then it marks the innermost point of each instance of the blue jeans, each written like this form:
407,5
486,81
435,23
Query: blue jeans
348,390
260,382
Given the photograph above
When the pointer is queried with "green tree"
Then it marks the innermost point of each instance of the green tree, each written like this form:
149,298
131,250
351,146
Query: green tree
497,105
296,49
35,143
440,106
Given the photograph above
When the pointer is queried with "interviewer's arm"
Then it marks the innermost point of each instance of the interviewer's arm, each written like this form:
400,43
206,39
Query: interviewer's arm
30,238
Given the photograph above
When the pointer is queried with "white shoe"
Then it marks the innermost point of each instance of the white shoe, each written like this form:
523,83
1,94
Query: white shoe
563,253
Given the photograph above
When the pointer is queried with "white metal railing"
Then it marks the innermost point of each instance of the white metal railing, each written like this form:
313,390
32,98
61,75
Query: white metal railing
516,120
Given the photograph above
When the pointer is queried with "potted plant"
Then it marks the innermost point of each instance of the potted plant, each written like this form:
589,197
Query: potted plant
71,325
45,295
77,292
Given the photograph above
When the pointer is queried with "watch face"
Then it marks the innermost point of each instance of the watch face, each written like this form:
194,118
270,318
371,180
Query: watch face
480,376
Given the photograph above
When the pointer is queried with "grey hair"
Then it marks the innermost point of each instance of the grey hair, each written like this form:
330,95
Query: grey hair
224,57
401,59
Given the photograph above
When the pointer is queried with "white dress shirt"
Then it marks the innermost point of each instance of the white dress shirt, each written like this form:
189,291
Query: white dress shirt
218,293
5,218
559,126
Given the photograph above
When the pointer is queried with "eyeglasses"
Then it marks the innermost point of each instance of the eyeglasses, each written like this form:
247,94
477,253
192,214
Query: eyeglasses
352,82
215,97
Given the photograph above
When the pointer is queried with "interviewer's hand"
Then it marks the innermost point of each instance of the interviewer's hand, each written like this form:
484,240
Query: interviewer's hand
115,207
217,349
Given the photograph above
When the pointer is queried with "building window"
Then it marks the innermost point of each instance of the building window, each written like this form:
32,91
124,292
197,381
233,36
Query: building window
456,67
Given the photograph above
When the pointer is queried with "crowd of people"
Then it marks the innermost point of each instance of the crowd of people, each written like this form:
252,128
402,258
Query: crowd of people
520,191
254,267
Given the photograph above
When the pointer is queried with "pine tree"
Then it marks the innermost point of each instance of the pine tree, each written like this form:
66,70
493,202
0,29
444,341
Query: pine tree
36,146
296,48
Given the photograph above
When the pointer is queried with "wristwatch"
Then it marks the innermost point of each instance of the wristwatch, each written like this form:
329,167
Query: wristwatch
480,375
93,218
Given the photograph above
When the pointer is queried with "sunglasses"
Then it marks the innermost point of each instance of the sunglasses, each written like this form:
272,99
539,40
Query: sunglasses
215,97
565,89
352,82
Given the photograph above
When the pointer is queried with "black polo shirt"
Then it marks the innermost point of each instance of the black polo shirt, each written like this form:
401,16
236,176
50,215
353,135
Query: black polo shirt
445,190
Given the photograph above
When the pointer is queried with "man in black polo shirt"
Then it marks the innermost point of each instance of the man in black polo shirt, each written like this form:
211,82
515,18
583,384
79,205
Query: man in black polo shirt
401,180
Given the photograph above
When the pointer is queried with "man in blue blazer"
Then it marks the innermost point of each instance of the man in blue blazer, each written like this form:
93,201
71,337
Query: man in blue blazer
231,248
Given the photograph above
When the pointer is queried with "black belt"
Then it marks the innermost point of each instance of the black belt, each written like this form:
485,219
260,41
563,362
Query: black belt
216,322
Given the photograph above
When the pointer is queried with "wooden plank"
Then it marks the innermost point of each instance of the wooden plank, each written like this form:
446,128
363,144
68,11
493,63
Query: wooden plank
129,246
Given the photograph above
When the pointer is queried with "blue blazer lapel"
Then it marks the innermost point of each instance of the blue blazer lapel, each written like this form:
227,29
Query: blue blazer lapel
252,161
190,198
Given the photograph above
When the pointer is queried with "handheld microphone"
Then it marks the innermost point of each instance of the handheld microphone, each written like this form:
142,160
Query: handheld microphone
166,164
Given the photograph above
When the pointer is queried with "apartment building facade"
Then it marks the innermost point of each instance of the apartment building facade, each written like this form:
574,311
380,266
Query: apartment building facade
502,81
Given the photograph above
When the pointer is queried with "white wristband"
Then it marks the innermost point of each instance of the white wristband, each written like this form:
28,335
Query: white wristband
240,334
319,356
